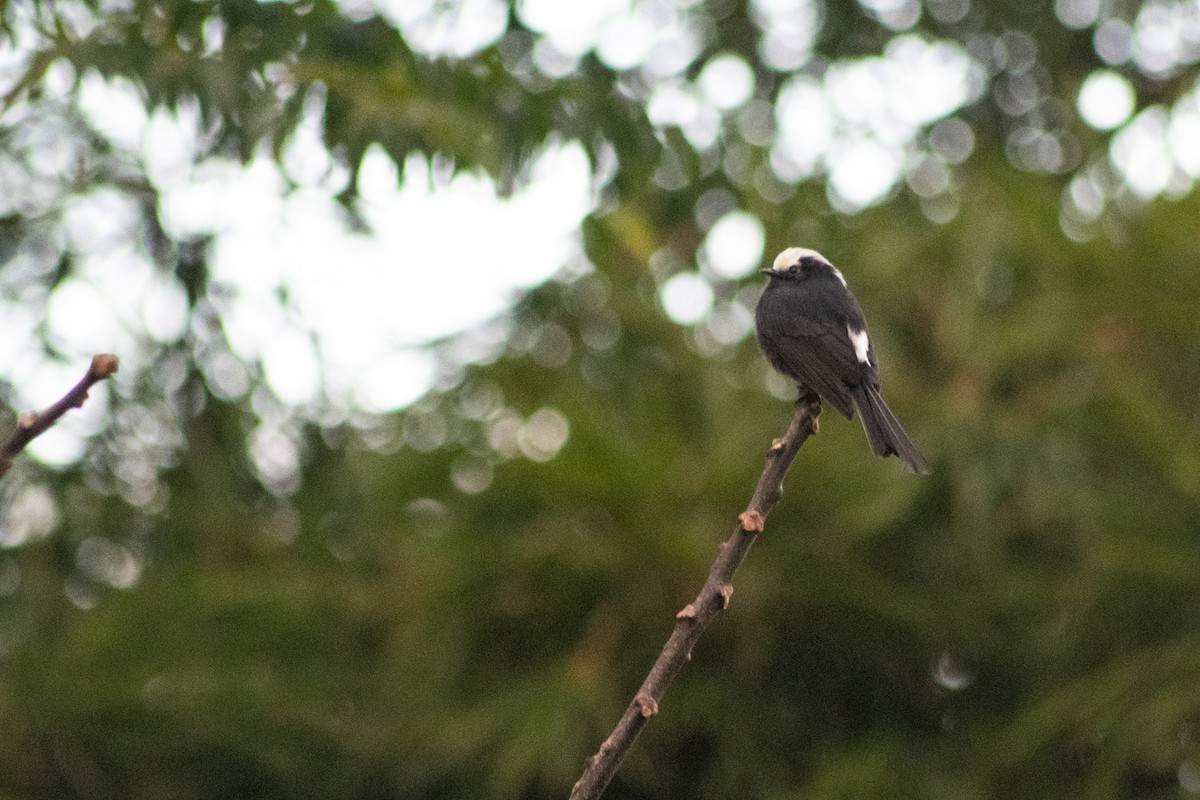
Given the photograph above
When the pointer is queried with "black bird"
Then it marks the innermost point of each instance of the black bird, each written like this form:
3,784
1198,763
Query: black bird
811,328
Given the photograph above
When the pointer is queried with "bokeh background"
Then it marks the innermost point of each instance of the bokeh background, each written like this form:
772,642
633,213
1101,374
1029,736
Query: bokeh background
439,388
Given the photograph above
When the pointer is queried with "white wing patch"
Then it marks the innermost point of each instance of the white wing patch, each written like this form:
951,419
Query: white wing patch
861,344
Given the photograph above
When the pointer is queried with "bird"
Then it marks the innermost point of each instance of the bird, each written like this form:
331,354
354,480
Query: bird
812,329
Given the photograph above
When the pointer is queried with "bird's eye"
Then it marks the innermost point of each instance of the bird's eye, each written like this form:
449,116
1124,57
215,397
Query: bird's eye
793,269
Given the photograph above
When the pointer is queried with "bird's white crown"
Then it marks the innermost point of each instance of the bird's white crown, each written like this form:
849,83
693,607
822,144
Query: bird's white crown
792,255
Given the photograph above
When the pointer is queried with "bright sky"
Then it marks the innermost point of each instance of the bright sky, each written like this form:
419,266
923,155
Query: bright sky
447,254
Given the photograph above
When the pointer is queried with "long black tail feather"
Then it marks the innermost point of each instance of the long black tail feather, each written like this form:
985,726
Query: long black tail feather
885,433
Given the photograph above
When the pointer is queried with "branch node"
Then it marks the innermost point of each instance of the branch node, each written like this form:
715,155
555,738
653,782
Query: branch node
726,594
647,705
687,612
27,420
776,445
752,521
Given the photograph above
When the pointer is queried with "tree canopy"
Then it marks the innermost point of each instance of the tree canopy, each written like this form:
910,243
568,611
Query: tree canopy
213,586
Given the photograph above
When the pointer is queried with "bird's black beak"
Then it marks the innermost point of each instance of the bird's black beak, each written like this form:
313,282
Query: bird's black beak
767,271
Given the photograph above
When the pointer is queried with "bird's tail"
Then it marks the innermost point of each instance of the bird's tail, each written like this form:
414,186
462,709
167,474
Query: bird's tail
885,433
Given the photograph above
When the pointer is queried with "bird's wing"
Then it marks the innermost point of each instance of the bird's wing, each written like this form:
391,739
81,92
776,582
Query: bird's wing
824,361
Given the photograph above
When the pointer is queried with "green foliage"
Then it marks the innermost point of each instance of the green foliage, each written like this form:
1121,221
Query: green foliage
1020,625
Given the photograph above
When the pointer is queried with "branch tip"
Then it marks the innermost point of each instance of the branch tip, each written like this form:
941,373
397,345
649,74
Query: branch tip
103,365
32,425
687,612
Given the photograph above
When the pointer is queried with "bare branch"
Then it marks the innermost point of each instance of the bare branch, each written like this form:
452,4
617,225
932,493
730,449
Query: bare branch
32,425
714,597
